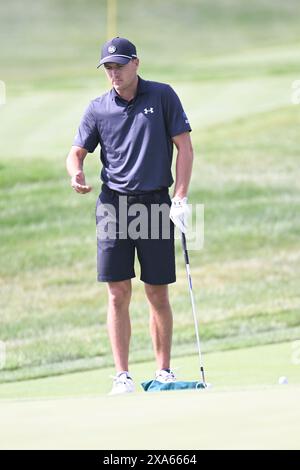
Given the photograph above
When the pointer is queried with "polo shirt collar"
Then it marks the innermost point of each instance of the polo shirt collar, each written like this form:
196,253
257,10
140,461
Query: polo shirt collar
141,88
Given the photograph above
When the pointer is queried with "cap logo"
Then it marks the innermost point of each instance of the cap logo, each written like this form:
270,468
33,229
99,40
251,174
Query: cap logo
112,49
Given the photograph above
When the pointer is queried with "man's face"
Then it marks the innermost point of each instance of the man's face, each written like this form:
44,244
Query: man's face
122,76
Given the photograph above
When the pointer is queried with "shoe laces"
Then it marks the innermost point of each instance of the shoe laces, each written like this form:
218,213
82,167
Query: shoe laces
167,375
120,379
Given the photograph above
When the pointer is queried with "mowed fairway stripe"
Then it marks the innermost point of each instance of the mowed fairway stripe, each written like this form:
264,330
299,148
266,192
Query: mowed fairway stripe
256,419
214,103
41,114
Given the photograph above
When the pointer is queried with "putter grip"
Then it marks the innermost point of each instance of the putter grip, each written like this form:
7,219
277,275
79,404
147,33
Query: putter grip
185,252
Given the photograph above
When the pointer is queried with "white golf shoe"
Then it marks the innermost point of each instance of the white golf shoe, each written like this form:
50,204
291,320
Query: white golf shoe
123,383
165,376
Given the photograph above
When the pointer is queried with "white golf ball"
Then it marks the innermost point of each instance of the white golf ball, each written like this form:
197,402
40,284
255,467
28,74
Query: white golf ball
283,380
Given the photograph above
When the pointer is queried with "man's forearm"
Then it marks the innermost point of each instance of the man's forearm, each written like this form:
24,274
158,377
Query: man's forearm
75,160
74,164
184,164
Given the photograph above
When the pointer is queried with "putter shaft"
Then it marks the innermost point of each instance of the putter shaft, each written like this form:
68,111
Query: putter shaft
187,265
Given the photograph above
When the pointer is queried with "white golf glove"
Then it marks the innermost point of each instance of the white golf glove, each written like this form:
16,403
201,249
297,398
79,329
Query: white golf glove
179,213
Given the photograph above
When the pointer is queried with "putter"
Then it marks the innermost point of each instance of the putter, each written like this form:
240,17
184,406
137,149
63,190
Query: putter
153,385
187,265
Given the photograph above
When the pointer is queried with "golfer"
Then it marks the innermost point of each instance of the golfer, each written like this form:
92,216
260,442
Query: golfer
136,123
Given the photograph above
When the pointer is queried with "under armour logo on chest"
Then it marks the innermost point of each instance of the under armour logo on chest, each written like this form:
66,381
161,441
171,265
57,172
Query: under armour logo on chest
149,110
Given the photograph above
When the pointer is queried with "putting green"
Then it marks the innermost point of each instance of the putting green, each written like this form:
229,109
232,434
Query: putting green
252,419
245,408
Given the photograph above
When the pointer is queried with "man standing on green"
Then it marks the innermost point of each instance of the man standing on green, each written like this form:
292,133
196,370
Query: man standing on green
136,124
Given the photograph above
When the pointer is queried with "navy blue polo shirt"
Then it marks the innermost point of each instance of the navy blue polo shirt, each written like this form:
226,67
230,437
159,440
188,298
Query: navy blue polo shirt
135,136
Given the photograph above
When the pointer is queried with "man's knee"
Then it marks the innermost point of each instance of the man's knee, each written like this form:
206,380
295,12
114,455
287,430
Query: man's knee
119,293
158,296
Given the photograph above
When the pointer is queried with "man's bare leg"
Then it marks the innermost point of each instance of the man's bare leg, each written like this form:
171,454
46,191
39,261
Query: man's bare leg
118,321
161,323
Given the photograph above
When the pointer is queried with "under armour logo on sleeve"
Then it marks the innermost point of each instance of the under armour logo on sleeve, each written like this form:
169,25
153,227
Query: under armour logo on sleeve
185,118
150,110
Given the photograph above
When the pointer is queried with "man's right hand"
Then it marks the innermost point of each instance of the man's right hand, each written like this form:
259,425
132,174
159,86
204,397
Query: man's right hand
78,183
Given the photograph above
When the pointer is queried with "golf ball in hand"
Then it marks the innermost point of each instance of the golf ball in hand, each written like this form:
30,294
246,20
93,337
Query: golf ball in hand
283,380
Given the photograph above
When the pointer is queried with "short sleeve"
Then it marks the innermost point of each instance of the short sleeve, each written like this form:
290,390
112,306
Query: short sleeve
175,117
87,135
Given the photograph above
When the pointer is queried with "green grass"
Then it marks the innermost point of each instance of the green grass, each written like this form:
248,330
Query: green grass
235,82
248,419
243,368
244,409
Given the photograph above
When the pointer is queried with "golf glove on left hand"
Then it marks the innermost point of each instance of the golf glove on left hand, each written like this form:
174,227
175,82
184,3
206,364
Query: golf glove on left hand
179,213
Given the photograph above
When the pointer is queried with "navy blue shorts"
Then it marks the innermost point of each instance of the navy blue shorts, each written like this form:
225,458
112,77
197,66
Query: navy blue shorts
136,223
